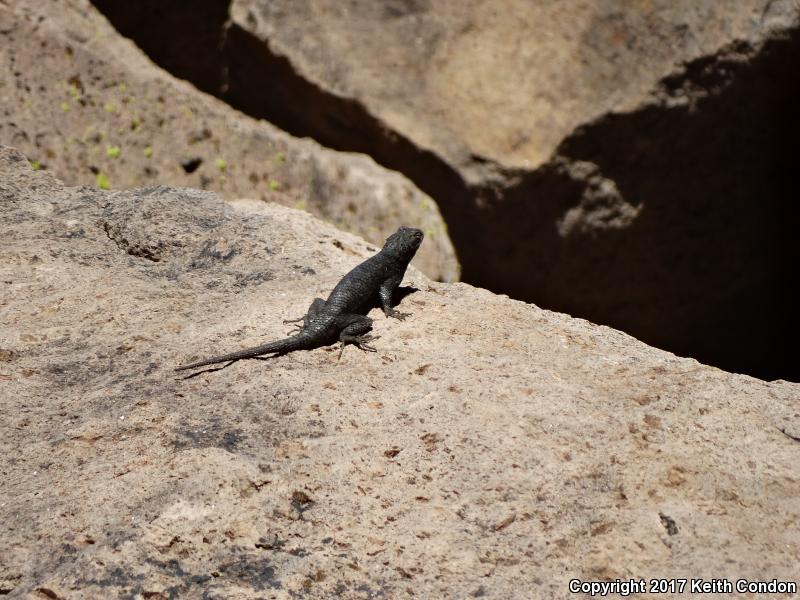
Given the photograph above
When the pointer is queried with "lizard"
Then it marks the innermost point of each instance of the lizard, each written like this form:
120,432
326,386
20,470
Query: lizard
342,316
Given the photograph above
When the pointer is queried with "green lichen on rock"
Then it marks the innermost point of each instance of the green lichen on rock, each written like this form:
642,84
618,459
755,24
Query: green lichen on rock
102,181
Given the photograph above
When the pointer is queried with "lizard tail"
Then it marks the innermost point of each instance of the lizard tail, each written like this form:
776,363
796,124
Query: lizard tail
297,342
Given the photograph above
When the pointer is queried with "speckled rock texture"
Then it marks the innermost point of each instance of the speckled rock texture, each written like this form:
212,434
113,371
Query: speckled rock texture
488,449
83,102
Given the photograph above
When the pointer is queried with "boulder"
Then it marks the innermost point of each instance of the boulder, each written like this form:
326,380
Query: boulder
489,448
505,83
86,104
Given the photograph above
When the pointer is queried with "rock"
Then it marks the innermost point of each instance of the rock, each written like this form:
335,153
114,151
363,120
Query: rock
502,85
84,103
633,165
489,448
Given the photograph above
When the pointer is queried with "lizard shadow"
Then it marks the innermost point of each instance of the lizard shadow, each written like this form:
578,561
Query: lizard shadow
400,293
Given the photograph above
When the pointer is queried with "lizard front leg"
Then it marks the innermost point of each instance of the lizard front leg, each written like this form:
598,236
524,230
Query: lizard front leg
386,293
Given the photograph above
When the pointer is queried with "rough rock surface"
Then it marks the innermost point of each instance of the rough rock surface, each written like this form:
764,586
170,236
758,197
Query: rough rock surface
489,449
82,101
633,163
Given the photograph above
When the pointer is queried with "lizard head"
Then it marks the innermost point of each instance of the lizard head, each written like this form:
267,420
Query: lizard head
404,241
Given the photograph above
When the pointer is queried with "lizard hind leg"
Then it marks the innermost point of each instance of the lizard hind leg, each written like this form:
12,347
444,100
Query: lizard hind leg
316,307
354,331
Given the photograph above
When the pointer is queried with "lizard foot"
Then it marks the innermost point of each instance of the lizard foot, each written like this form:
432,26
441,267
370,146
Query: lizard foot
360,341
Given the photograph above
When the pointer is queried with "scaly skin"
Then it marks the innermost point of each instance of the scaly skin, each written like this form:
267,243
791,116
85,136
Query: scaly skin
341,316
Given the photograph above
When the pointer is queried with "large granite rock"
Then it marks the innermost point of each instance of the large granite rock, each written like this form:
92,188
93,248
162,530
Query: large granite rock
503,83
82,101
489,449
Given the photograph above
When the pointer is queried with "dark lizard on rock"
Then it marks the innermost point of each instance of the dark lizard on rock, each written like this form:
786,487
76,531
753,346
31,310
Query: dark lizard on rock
341,317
